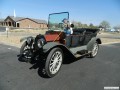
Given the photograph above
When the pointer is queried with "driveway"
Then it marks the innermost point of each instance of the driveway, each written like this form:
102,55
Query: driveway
84,74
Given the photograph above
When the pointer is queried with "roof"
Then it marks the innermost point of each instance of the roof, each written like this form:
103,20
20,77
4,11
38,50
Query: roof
38,20
16,18
21,18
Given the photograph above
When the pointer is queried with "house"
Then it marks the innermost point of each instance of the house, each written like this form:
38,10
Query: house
1,21
22,22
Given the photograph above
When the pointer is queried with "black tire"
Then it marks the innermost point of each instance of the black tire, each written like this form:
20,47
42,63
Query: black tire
50,58
23,47
94,53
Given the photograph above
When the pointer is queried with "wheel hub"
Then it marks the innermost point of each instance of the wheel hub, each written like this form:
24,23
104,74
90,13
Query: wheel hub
95,49
55,62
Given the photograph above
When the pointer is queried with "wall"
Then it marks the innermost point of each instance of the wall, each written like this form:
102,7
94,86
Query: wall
27,23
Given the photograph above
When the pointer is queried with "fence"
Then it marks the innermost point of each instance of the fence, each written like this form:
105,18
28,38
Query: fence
14,36
2,29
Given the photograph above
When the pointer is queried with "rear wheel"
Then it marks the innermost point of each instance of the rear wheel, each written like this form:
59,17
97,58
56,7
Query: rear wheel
94,50
54,62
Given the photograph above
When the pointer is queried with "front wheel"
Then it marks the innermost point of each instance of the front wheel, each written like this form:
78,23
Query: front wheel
25,53
94,50
23,47
54,62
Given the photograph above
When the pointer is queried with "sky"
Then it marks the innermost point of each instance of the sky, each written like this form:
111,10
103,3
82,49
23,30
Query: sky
84,11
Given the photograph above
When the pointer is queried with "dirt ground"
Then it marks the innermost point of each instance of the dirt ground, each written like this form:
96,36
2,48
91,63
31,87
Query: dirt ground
15,36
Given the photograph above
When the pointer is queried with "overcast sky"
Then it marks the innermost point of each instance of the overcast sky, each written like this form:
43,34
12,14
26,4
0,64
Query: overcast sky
85,11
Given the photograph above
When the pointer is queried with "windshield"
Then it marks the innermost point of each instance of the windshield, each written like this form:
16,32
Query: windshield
55,21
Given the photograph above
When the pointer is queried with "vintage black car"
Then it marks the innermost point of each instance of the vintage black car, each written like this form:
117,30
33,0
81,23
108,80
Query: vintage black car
56,46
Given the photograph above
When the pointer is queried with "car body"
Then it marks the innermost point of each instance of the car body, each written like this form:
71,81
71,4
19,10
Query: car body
55,45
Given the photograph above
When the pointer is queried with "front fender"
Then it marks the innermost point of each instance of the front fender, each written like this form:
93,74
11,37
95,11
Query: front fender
49,46
91,43
27,39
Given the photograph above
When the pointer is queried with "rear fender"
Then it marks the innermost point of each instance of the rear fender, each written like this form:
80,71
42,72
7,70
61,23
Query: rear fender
91,43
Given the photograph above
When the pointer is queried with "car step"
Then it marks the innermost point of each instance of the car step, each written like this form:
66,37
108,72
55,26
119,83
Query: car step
82,52
78,55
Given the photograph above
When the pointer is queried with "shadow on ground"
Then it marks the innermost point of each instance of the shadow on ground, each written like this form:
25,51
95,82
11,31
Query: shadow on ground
40,64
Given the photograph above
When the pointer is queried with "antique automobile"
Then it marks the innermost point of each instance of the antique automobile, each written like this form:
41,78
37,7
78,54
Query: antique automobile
56,46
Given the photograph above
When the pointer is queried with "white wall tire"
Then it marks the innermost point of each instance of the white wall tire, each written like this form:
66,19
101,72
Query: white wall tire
94,50
53,62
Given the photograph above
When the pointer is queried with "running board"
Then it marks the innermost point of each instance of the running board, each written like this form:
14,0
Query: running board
77,49
78,55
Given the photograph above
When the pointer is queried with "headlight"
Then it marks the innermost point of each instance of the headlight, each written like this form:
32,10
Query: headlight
40,42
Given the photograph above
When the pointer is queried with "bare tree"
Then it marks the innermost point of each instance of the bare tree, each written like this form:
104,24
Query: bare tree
105,24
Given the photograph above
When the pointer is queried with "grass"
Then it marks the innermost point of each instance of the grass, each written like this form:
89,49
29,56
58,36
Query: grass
42,31
109,40
110,33
12,40
15,36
